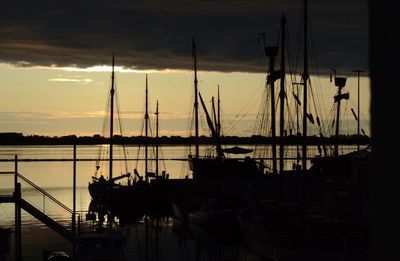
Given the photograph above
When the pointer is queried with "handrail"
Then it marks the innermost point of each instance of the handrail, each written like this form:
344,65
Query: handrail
47,220
7,172
45,193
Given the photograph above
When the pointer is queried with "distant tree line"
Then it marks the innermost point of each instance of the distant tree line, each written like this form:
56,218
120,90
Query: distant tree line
13,138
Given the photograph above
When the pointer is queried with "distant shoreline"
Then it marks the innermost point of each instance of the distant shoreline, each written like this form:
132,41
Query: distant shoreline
20,139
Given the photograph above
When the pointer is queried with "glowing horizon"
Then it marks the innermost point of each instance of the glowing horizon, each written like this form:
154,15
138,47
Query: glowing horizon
60,101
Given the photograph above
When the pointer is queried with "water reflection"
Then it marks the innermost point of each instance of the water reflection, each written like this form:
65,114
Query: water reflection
167,238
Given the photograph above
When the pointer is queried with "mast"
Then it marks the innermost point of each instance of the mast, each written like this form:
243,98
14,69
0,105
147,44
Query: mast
112,91
358,104
196,103
271,52
157,139
111,119
216,121
340,82
305,79
146,119
214,133
282,94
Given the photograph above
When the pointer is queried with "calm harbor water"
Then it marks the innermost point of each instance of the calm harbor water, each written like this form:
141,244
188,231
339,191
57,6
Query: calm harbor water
166,241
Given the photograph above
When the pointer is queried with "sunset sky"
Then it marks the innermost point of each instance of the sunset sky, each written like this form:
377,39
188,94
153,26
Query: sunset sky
55,60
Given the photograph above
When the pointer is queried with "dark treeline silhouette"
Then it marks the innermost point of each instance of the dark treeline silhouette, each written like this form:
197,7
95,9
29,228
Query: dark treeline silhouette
12,138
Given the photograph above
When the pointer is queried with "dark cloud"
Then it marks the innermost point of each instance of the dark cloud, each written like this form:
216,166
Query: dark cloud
158,34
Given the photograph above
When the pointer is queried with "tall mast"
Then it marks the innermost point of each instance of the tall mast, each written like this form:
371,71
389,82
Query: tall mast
340,82
217,134
212,128
111,118
111,134
358,104
196,103
146,119
305,79
282,94
271,52
157,139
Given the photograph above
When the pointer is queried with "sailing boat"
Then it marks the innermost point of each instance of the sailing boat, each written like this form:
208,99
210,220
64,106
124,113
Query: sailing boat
113,196
324,229
219,180
101,188
148,194
219,167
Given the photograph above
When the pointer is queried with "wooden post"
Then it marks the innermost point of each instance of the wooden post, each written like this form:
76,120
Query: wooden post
17,198
74,202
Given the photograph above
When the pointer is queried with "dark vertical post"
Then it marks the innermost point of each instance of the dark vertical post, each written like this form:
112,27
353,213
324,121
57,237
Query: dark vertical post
111,119
74,201
15,171
146,235
196,102
273,121
17,200
146,119
305,79
358,104
157,113
112,91
282,94
271,52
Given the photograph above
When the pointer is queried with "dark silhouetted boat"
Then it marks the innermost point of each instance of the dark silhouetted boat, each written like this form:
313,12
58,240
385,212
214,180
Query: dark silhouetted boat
148,194
322,215
110,194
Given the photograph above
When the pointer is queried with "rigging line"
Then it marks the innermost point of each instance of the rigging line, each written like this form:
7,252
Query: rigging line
262,121
332,119
346,117
244,115
294,88
139,146
225,131
225,122
190,131
290,122
153,149
351,104
263,112
120,128
293,63
322,127
290,88
298,45
250,101
320,102
101,150
190,127
161,152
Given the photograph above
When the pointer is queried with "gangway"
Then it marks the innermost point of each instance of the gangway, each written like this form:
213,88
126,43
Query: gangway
21,201
39,213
